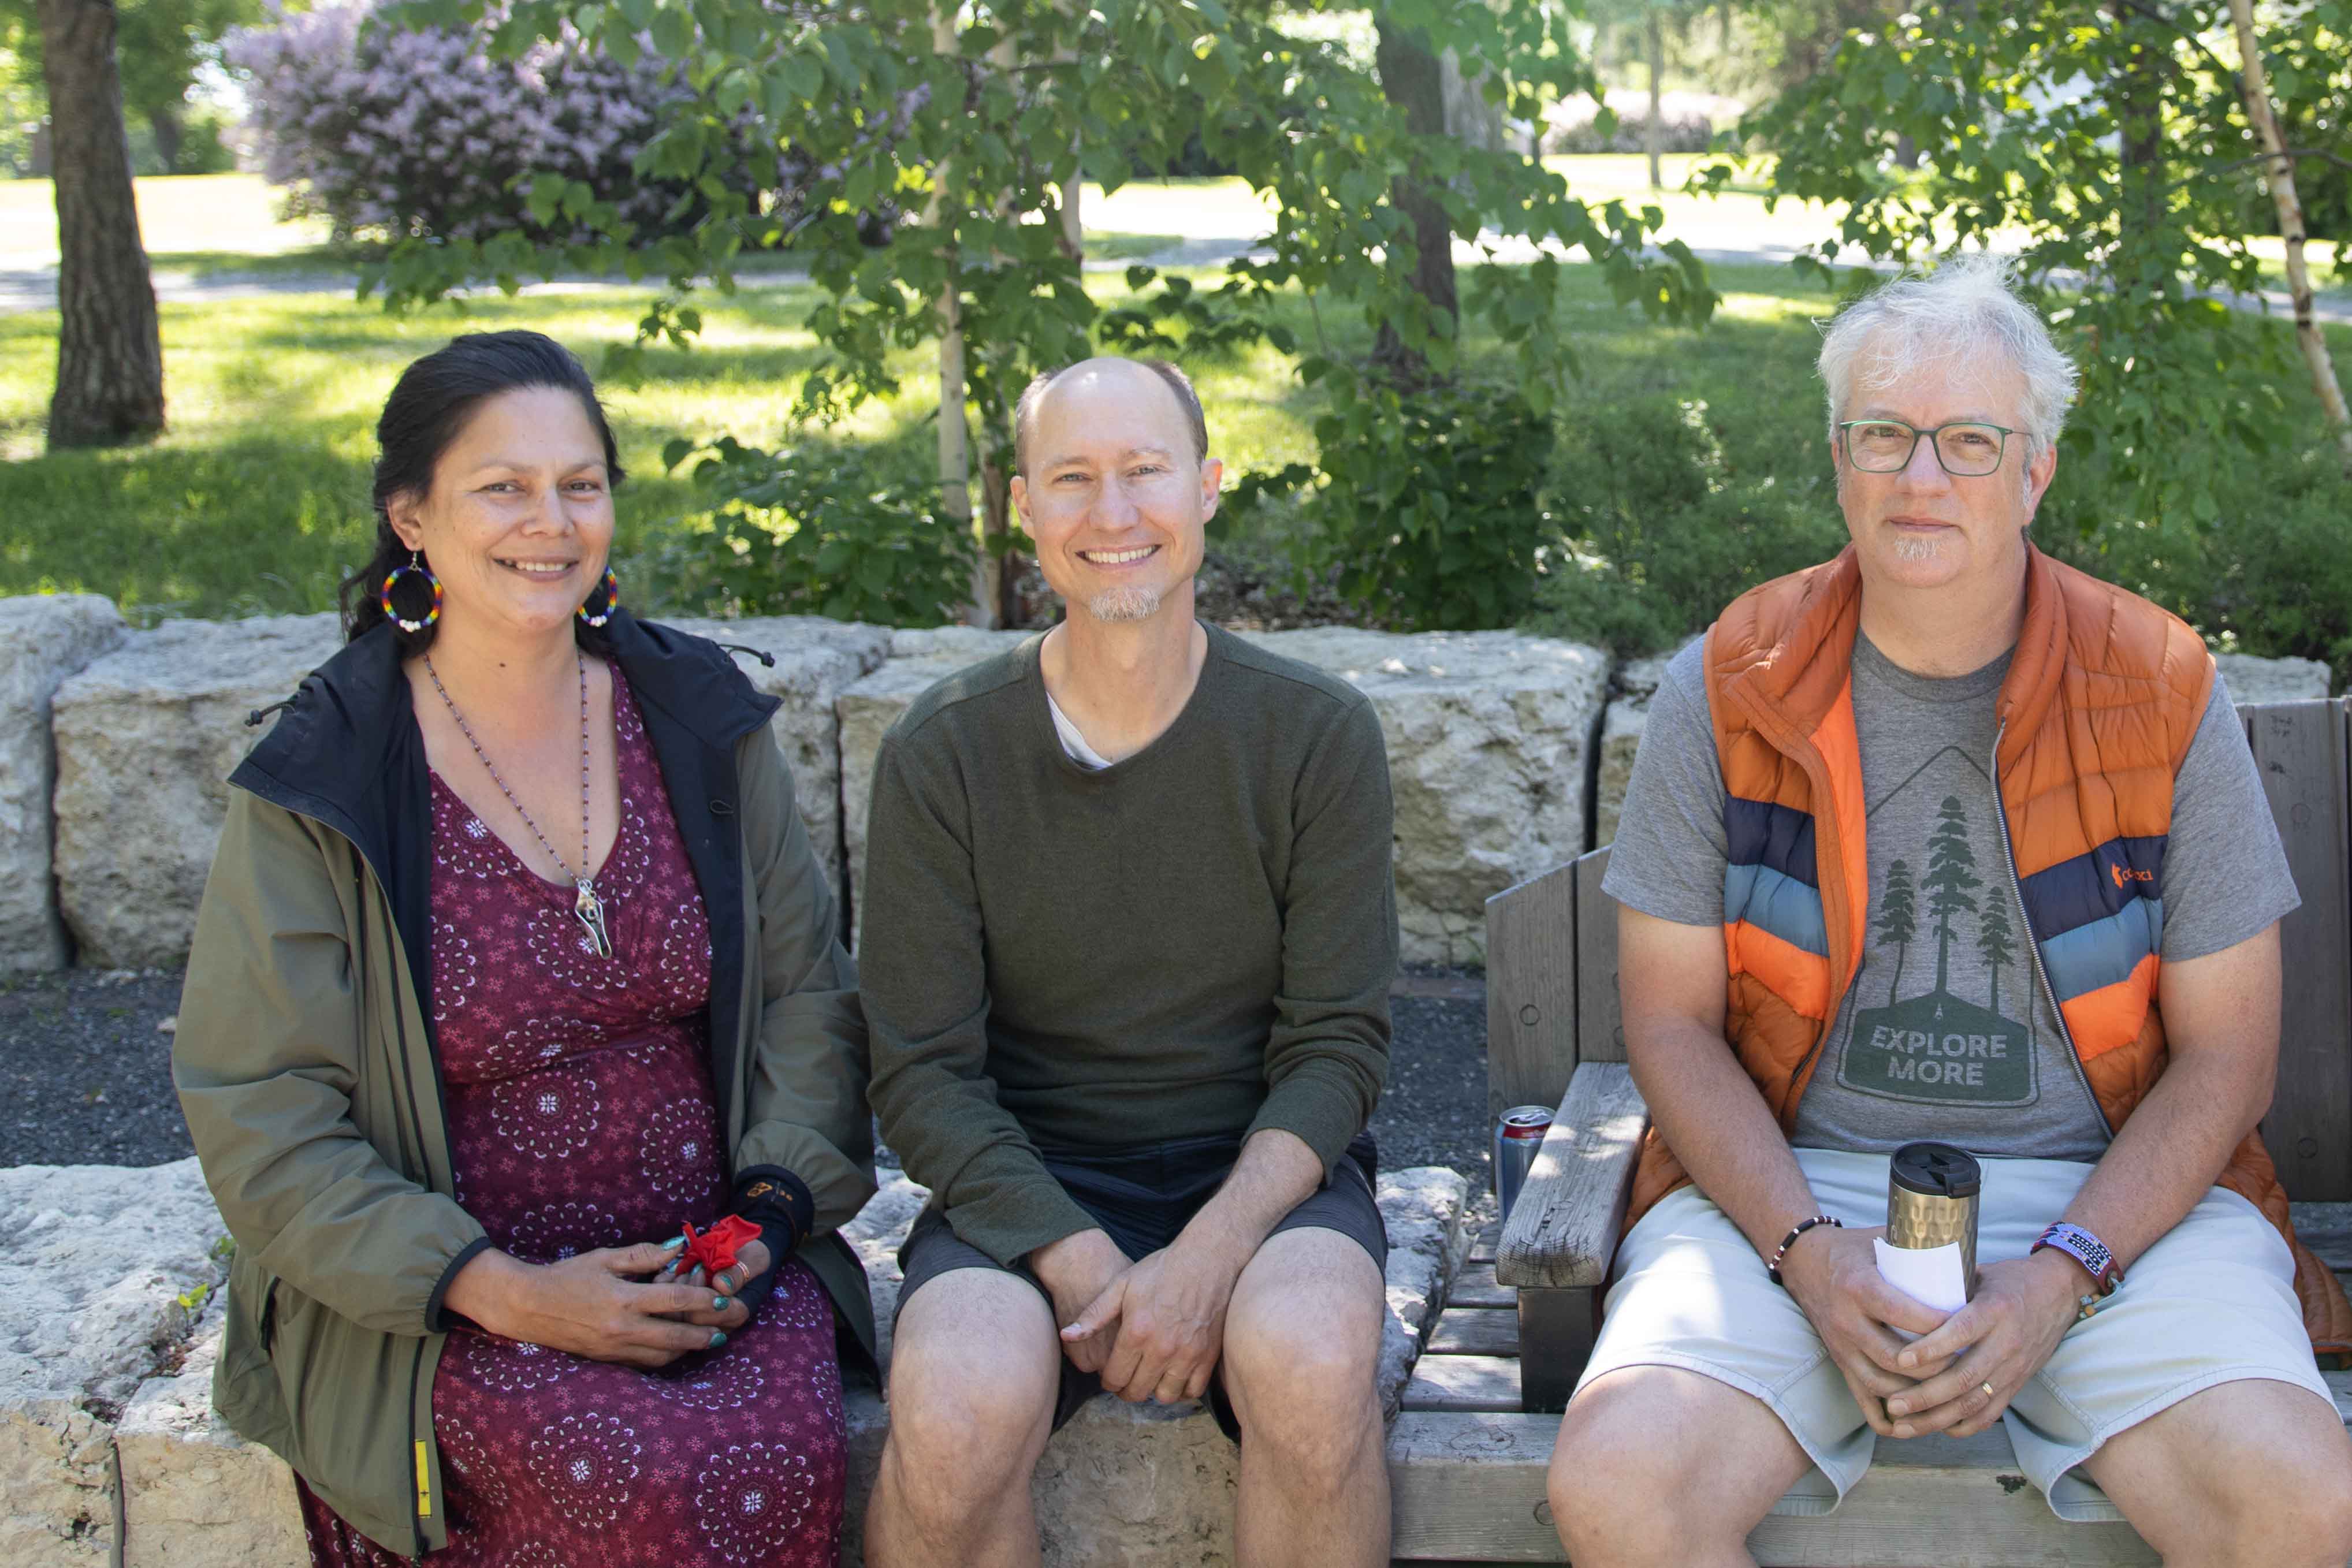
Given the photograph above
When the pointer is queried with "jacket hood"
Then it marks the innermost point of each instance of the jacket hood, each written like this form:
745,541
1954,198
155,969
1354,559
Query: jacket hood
348,730
348,753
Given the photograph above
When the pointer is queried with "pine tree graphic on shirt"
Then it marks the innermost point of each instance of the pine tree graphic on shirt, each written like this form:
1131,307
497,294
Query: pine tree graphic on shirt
1948,1044
1899,919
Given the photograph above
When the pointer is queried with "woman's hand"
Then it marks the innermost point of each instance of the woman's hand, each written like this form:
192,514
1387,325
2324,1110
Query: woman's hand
751,1262
591,1305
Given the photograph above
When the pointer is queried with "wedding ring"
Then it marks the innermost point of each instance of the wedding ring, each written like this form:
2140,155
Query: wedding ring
1988,1389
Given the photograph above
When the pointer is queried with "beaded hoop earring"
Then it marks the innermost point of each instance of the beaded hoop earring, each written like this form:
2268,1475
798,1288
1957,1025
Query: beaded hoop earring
415,568
612,587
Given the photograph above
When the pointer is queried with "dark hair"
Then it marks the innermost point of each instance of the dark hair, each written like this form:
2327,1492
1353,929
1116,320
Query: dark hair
428,407
1177,382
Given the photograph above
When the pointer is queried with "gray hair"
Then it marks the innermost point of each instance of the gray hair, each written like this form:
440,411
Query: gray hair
1939,321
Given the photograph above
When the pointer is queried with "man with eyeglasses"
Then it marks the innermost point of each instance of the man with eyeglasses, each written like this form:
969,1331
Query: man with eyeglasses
1944,840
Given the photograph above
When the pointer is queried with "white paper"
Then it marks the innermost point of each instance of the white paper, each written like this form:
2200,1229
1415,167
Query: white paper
1929,1275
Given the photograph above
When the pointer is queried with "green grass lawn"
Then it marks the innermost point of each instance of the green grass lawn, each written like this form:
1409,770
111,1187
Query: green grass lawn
255,500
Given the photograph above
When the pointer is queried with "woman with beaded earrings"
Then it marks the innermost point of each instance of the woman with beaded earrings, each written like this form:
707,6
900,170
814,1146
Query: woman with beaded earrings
520,1045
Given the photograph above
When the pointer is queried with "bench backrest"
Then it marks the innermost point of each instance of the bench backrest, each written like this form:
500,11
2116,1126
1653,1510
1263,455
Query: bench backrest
1544,1015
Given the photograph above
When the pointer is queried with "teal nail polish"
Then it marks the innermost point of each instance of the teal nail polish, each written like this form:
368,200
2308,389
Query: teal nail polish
718,1303
673,1242
717,1338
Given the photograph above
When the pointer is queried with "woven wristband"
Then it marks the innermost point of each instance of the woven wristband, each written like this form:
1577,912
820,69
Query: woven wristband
1773,1268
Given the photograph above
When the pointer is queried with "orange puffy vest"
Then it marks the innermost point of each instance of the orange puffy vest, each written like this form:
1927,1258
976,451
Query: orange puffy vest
2103,696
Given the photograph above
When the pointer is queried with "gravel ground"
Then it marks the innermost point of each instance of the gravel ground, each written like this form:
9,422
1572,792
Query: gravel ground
87,1073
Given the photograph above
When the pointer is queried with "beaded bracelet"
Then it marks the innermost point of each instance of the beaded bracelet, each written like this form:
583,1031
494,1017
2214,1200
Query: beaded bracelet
1773,1268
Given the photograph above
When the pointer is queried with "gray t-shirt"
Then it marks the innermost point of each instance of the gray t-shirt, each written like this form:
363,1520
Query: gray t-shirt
1948,1031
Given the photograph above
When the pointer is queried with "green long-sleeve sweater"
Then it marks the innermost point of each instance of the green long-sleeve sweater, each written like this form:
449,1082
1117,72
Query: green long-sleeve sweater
1197,940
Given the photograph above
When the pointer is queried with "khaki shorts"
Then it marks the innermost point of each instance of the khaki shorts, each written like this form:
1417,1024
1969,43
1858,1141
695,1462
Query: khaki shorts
2212,1302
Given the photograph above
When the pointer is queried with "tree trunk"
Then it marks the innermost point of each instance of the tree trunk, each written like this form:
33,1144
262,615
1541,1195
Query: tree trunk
2139,106
955,435
1653,136
2279,173
1412,82
110,350
170,137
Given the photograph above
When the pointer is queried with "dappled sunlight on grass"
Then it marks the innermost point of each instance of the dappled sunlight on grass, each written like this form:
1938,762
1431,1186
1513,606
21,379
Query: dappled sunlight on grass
256,497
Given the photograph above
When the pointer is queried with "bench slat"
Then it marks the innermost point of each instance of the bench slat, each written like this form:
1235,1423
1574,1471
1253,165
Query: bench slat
2300,750
1599,1028
1476,1287
1476,1330
1563,1230
1472,1486
1531,991
2326,1229
1465,1382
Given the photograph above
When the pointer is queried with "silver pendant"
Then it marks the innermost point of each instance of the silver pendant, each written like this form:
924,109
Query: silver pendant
590,911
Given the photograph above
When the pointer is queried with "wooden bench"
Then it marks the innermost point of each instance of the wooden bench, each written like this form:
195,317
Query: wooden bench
1469,1451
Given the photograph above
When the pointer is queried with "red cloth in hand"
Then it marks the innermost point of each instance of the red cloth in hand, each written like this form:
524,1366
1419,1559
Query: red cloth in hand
716,1248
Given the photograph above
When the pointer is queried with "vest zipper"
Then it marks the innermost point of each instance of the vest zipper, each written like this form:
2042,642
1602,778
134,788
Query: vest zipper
2034,938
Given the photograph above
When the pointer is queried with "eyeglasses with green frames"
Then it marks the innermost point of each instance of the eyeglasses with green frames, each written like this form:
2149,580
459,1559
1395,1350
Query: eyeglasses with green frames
1969,449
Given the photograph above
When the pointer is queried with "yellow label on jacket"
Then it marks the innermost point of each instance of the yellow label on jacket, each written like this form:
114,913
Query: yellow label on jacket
423,1483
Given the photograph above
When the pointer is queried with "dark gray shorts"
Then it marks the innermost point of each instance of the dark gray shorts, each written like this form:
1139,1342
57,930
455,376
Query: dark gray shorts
1143,1198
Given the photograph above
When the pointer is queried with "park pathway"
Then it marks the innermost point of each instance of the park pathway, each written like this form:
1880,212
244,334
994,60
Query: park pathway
1728,234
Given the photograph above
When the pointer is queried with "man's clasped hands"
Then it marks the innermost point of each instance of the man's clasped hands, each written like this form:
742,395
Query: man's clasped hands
1150,1329
1962,1368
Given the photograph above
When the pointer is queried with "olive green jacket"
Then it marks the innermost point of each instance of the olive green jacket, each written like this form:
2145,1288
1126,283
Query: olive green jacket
306,1062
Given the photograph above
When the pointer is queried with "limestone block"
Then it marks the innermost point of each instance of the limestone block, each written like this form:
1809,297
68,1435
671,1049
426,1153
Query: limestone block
1488,735
1143,1486
195,1494
2253,680
967,644
146,737
1423,1209
101,1266
870,707
44,638
815,660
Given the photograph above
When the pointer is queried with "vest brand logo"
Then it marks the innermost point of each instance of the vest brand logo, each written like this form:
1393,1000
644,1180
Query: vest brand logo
2124,873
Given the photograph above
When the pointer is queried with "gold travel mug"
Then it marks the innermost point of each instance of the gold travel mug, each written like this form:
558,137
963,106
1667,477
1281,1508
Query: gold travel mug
1931,1201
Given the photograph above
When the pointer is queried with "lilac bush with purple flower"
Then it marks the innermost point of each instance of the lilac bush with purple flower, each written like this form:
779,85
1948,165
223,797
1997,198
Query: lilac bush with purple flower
422,134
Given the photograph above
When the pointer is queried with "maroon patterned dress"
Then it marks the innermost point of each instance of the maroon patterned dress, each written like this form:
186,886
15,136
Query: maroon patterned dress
581,1115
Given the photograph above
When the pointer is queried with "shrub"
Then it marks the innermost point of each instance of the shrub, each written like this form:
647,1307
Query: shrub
1663,531
2273,578
1429,504
420,133
812,530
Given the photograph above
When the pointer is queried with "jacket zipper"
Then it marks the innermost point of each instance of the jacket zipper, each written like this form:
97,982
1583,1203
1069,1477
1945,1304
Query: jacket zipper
422,1491
2034,938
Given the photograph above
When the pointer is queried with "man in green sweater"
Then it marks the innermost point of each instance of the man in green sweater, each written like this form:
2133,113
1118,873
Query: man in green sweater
1130,929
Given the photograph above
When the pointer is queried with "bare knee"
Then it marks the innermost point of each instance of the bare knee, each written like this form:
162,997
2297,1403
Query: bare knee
2282,1510
1307,1400
972,1395
1610,1478
1625,1474
968,1431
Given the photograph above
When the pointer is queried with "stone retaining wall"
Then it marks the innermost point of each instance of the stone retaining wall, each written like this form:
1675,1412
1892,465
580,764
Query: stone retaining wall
114,746
46,638
106,1355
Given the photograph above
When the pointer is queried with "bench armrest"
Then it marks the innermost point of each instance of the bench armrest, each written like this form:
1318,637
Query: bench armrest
1563,1230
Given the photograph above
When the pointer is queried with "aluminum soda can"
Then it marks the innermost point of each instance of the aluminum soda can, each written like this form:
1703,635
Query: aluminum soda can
1518,1134
1931,1201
